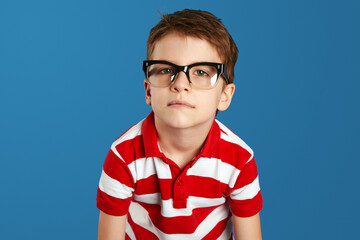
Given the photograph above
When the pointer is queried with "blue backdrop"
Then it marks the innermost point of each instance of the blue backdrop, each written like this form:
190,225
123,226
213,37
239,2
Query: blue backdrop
71,83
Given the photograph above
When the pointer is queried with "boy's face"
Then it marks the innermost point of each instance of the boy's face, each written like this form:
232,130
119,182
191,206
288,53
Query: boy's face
181,105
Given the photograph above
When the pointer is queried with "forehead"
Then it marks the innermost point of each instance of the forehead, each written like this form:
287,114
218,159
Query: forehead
184,50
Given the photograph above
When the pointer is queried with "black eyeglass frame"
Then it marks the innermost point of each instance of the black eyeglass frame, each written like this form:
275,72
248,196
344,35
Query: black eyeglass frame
220,67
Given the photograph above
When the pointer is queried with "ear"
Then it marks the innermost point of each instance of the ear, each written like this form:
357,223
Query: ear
147,92
226,97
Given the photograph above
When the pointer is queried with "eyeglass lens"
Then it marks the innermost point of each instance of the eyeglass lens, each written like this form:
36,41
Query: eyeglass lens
202,76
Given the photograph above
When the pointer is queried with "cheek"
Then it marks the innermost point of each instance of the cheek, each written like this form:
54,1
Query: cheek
210,100
157,98
216,96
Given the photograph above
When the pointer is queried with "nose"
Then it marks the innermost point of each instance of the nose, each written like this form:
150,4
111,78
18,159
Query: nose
181,83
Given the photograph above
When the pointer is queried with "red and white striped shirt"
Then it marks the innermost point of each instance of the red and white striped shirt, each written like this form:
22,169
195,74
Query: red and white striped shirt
164,202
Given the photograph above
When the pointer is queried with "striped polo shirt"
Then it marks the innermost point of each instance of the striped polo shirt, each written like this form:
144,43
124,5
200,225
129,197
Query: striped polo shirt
163,201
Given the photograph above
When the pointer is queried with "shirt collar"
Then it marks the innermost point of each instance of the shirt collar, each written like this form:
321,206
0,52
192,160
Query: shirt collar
151,145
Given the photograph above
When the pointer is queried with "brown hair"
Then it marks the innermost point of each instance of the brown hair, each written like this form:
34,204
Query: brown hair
203,25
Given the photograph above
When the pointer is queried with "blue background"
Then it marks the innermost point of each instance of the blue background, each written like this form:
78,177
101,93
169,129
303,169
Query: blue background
71,83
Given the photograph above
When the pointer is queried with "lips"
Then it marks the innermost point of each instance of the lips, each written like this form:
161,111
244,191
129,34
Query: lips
179,103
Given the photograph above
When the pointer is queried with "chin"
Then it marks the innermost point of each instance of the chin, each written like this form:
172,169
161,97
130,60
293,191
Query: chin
179,123
183,120
188,123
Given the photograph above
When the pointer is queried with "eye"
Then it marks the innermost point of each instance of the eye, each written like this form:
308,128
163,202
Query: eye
201,73
166,71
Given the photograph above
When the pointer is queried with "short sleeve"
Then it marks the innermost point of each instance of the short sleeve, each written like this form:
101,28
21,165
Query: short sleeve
245,198
116,186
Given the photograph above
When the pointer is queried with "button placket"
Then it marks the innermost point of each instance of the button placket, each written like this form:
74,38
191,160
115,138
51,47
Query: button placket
179,194
179,182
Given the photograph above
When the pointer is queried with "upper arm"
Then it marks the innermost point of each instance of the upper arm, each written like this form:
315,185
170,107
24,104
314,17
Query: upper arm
247,228
111,227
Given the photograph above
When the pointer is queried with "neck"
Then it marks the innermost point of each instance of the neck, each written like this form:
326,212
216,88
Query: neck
181,144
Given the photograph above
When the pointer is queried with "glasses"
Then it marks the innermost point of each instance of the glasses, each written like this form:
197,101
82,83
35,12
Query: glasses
201,75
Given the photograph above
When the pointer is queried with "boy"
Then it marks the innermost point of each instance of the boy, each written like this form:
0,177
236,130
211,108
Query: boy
179,173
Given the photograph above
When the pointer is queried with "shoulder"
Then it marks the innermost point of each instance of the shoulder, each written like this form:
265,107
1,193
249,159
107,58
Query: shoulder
129,143
233,149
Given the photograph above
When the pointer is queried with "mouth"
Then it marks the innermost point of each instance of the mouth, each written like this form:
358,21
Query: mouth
178,103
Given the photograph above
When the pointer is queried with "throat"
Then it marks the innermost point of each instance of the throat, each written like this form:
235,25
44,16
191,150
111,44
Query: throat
182,159
181,145
181,154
